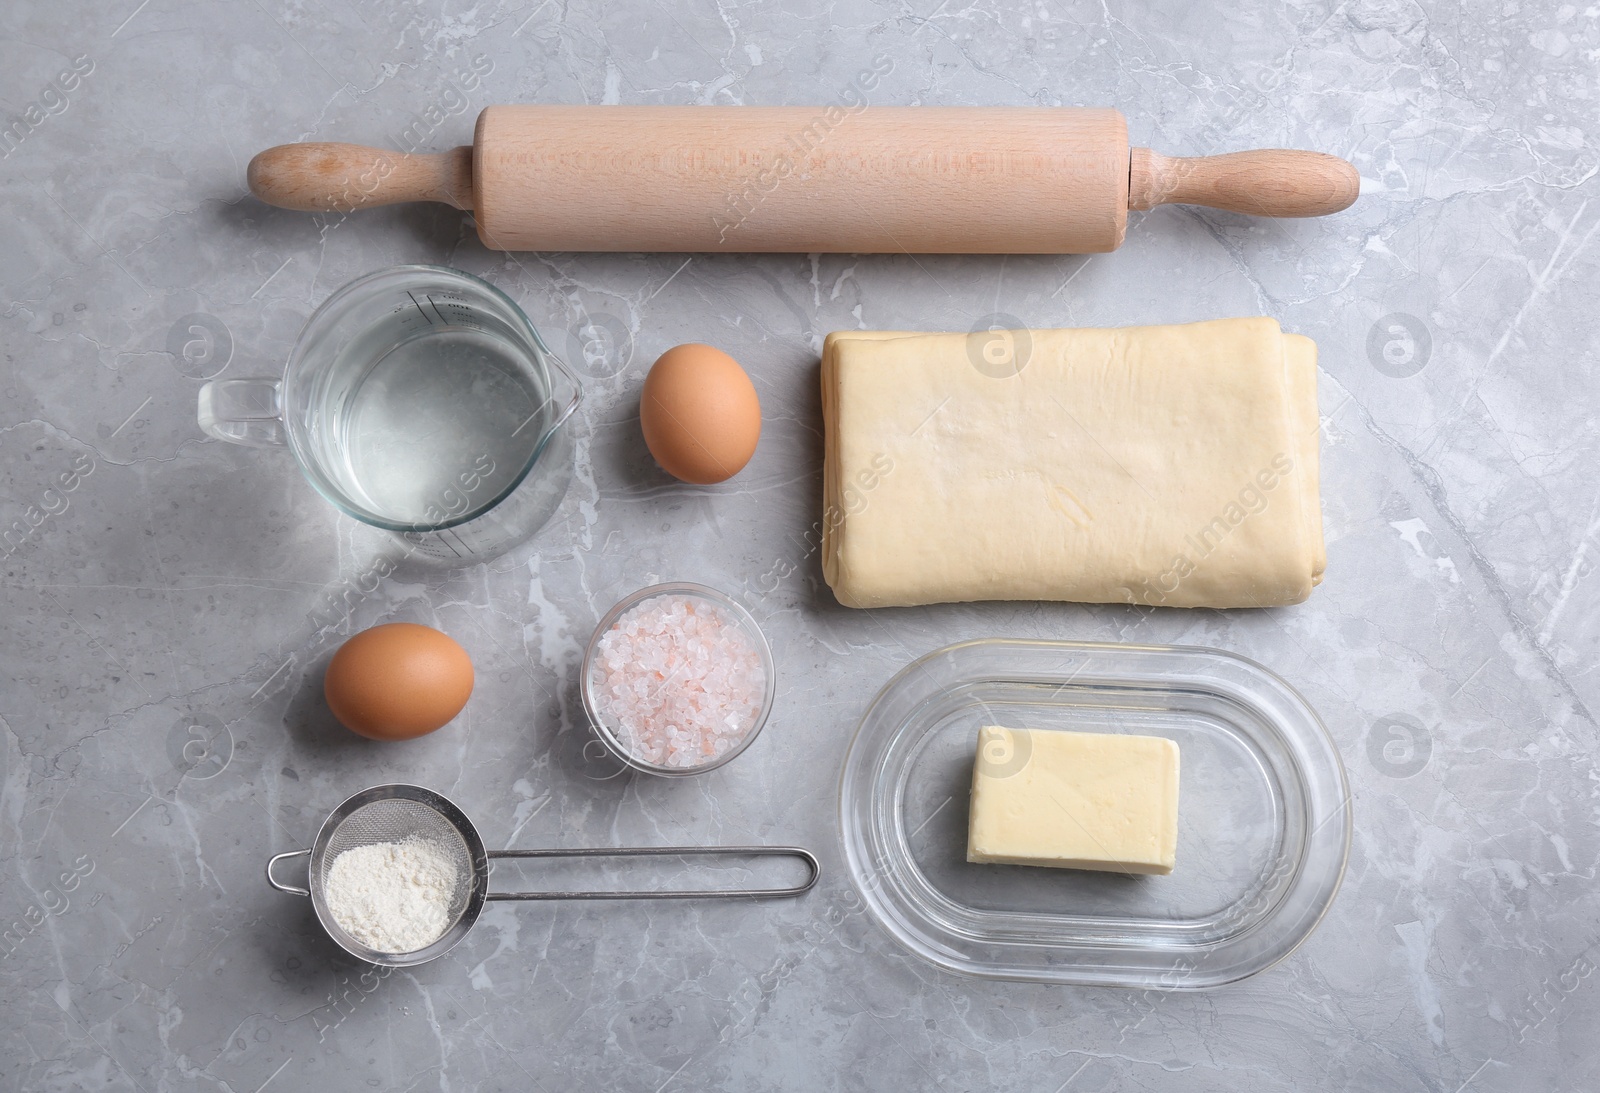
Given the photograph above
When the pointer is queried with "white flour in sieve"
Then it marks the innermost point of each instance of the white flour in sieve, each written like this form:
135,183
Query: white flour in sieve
392,897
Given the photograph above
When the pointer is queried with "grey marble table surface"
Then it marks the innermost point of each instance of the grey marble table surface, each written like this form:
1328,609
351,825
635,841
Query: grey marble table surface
168,602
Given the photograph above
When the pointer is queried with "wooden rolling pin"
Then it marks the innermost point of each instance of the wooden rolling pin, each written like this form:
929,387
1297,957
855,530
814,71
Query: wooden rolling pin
997,180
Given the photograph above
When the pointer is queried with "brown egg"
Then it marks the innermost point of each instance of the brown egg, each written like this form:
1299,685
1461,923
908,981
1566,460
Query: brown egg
700,414
398,681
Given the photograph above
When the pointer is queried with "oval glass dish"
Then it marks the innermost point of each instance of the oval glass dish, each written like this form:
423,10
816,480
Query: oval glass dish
1263,816
724,608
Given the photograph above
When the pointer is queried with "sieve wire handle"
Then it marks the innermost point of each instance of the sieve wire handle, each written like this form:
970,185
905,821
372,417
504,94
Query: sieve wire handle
292,889
812,865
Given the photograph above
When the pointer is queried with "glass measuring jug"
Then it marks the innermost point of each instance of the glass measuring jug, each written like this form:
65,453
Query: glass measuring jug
421,400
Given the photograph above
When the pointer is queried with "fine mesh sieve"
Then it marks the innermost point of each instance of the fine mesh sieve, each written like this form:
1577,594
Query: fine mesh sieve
404,813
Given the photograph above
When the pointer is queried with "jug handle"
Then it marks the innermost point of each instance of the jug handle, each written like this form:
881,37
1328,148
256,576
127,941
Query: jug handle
244,411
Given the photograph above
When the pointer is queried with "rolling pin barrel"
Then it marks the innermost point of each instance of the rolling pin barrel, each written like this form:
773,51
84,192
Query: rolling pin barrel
798,179
988,180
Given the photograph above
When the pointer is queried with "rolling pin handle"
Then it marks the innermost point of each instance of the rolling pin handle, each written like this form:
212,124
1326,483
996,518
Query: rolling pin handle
1267,182
340,178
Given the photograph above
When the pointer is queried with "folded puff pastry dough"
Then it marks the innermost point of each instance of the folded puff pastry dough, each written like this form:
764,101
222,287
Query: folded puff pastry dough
1162,465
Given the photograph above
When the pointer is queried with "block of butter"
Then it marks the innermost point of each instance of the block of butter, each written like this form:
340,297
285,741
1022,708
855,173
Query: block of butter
1074,800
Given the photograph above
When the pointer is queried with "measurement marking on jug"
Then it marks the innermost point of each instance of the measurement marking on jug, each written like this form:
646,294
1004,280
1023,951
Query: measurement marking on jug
418,541
435,305
418,306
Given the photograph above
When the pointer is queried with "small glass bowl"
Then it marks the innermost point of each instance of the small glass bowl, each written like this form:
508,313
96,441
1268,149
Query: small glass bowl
731,610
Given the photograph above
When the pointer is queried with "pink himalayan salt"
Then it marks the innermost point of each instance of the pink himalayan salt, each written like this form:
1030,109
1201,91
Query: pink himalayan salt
678,681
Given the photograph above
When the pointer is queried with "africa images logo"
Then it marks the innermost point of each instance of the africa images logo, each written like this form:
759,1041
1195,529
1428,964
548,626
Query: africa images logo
52,101
1251,500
